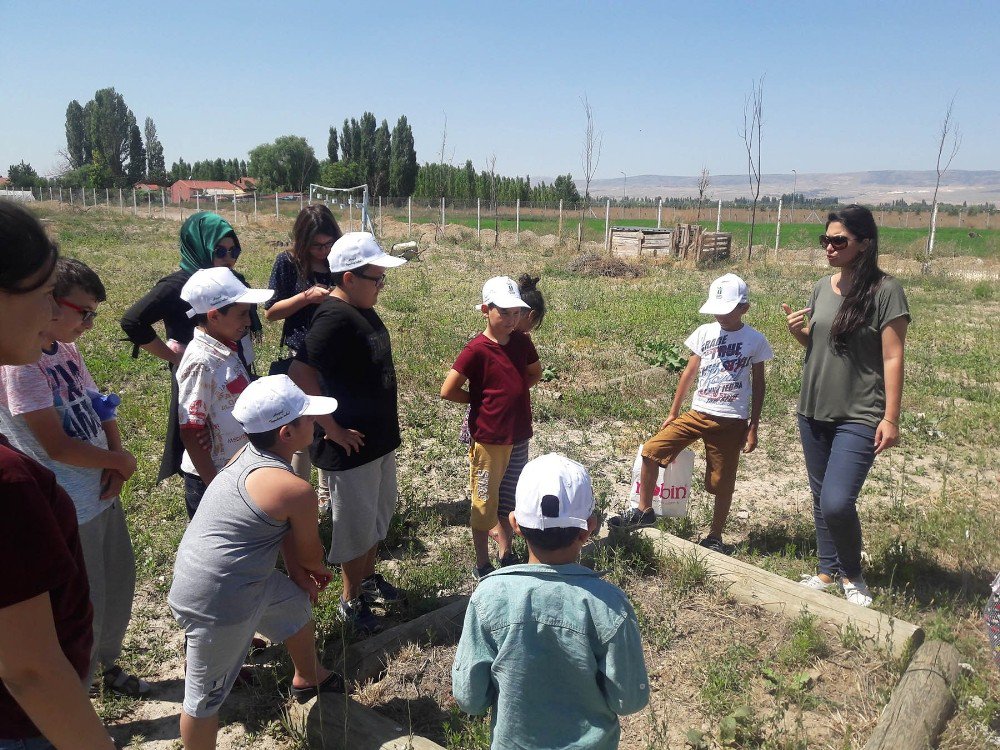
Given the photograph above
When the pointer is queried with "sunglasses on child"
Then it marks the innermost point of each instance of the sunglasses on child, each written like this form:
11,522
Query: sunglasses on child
379,280
838,241
222,252
87,315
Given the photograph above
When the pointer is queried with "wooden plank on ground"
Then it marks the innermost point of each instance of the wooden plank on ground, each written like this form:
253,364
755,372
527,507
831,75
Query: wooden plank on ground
369,658
775,593
922,702
338,722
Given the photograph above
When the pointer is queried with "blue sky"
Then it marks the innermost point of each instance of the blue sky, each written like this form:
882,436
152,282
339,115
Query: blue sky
849,86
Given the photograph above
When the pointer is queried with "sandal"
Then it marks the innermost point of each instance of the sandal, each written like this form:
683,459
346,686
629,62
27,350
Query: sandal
334,683
119,681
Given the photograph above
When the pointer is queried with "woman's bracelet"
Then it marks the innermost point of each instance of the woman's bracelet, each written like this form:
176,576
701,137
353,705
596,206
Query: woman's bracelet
886,419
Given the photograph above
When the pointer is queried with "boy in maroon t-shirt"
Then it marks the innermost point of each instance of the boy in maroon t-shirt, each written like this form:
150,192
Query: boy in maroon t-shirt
500,366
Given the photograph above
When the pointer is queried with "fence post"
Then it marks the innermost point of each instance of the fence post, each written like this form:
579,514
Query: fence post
607,226
560,217
659,213
197,201
254,206
276,213
517,221
718,217
60,194
149,205
135,209
121,202
442,212
777,233
381,230
163,202
50,193
107,198
83,197
409,216
95,197
479,225
215,200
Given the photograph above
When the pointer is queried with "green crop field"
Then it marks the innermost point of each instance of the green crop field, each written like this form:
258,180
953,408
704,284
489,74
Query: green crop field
929,509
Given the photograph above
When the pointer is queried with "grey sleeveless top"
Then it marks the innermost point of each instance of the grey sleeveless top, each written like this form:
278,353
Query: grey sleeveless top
229,549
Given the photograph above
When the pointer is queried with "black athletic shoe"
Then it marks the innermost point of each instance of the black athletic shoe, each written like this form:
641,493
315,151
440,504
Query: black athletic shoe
358,615
376,590
511,558
480,572
717,545
633,518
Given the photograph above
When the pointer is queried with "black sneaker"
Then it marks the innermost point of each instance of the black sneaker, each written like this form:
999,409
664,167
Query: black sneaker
633,518
376,590
479,572
511,558
717,545
358,615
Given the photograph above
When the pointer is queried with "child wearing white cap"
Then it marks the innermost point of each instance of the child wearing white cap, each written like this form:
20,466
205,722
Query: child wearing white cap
225,584
211,375
347,354
550,646
500,365
727,359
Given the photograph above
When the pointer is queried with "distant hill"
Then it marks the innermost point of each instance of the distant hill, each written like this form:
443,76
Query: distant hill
864,187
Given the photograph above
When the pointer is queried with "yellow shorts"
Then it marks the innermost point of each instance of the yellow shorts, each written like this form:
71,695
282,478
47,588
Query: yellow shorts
487,465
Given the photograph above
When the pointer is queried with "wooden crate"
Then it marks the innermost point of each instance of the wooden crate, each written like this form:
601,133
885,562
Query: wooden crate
637,242
714,246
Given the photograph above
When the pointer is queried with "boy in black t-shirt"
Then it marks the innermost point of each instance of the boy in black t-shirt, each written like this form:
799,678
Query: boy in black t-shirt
347,355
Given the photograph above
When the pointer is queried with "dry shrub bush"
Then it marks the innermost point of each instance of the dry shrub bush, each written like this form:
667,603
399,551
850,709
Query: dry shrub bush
593,264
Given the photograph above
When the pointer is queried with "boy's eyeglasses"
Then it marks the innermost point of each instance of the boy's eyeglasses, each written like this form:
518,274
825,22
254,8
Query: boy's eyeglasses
838,241
222,252
379,280
87,315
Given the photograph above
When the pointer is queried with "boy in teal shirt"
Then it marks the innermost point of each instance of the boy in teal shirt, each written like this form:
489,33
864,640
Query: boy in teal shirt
552,648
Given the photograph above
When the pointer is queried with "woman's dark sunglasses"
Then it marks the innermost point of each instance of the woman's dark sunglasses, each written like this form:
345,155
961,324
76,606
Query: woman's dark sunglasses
838,241
222,252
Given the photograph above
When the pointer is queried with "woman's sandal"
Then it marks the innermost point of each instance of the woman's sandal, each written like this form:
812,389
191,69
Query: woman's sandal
332,684
117,680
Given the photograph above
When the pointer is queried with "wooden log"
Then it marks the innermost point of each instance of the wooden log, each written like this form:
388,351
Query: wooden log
922,702
338,722
370,657
775,593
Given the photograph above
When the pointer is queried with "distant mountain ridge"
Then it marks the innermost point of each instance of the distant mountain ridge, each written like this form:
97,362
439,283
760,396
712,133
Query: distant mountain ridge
877,186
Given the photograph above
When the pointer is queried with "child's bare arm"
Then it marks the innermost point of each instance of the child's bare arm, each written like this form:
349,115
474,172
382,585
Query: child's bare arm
452,389
756,405
533,373
688,377
47,428
200,456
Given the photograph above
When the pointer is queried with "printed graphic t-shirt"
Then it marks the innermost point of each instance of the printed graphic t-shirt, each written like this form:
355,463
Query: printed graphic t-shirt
210,378
727,358
500,404
58,380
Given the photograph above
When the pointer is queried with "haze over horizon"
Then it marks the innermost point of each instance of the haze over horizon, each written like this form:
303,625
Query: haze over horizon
865,89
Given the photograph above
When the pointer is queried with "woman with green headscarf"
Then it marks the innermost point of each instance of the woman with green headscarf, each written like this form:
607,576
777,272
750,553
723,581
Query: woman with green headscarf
206,240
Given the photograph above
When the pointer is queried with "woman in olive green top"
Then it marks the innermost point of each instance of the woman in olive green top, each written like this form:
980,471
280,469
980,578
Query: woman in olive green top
852,383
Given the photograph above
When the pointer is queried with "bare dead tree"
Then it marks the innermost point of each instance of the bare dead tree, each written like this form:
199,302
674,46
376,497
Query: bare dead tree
703,182
948,128
590,157
753,110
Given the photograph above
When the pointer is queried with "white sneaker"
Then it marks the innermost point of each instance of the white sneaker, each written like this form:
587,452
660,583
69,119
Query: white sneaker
815,582
856,592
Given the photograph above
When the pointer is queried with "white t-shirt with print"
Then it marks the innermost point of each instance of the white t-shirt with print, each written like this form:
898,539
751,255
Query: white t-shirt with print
727,358
58,380
210,378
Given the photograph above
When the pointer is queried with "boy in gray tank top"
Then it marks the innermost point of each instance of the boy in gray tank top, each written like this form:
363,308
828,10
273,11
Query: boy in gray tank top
225,585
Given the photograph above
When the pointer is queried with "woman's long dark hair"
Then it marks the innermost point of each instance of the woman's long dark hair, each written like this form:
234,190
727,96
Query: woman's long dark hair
858,306
527,286
312,220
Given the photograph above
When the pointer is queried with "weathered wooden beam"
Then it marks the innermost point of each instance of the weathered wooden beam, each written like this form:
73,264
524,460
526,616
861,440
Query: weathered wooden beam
922,702
775,593
370,657
338,722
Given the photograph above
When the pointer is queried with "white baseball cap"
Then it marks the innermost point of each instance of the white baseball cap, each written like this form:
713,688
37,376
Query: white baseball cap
273,401
212,288
553,493
725,294
502,291
356,249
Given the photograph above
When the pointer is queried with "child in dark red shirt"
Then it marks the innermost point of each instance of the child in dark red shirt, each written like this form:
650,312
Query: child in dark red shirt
500,366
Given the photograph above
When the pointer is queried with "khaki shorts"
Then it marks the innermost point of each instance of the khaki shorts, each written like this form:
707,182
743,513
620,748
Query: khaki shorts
723,438
487,465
